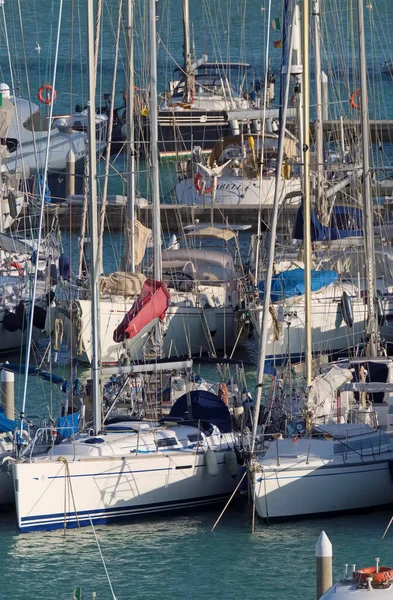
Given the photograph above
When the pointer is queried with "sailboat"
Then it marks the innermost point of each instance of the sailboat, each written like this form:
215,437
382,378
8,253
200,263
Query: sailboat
206,290
334,458
194,109
128,468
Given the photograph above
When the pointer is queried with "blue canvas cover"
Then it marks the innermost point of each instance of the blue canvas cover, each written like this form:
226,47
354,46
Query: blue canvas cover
5,424
205,406
320,232
291,283
68,425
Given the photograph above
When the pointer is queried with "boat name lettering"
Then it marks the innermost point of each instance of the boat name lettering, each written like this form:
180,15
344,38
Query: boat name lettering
229,186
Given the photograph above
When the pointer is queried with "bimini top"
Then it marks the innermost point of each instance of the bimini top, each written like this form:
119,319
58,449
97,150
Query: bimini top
204,265
201,405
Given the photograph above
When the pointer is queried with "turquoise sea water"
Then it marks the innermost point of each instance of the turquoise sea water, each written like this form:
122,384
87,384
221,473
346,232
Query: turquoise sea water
178,557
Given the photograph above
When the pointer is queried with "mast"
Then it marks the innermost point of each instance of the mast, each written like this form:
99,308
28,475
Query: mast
320,195
372,322
306,188
91,132
130,133
156,222
187,51
287,57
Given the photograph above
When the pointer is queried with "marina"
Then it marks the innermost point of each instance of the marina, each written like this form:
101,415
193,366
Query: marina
196,284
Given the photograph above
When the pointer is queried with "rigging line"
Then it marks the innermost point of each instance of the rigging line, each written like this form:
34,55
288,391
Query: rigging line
31,316
259,224
109,138
13,83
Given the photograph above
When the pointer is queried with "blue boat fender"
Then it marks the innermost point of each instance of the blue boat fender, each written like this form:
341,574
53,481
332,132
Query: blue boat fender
346,309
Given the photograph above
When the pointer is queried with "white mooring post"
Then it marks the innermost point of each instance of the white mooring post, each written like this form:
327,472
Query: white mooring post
7,393
324,556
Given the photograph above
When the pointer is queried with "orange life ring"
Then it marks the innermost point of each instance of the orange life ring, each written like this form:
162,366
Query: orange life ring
223,392
46,88
384,574
199,186
352,99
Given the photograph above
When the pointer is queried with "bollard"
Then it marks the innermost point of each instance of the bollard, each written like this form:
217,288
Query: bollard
7,393
70,175
324,555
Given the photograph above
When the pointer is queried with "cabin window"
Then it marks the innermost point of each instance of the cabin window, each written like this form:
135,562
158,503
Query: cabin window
33,123
193,437
375,443
166,442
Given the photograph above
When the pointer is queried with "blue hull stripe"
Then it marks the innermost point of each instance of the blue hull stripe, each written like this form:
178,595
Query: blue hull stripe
271,476
107,515
125,472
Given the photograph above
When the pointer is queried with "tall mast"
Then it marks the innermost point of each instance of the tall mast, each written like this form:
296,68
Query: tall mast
91,132
287,58
130,133
320,192
156,222
306,188
372,323
187,51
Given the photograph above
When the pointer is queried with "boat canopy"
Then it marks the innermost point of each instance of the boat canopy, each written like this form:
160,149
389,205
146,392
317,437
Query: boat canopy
322,391
201,405
291,283
320,232
203,265
270,144
213,232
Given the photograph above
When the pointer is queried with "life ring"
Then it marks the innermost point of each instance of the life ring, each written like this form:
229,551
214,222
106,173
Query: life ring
46,88
199,186
352,99
383,575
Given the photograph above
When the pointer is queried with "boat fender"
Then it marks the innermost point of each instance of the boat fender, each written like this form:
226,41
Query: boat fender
53,274
239,456
211,462
391,469
381,312
39,317
64,266
231,462
346,309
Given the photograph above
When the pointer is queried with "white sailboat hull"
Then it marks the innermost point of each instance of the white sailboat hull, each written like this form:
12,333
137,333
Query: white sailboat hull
236,190
330,332
112,488
306,489
187,330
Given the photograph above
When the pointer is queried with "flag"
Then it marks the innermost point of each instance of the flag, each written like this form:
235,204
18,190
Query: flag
276,24
277,44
